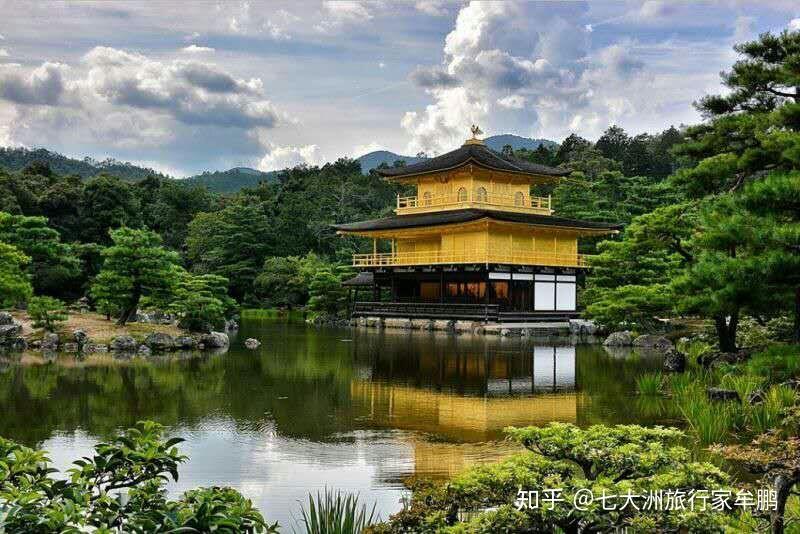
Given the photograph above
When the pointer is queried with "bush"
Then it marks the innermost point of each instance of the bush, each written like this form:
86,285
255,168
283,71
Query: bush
139,461
336,513
47,312
776,364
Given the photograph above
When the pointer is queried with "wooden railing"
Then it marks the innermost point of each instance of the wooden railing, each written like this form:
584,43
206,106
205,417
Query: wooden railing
474,199
548,259
427,310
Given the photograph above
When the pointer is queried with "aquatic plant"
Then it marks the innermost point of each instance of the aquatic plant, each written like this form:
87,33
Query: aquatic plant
649,383
336,513
744,385
767,415
777,363
711,422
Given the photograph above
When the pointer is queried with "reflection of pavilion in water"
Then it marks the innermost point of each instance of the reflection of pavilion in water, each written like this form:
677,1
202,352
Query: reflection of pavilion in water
465,390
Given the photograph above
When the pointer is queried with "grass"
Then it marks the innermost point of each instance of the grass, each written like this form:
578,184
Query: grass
272,313
711,422
98,328
336,513
744,385
649,384
769,414
776,364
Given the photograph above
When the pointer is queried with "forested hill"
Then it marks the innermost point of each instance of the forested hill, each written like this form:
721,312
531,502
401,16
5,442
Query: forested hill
16,159
497,142
230,181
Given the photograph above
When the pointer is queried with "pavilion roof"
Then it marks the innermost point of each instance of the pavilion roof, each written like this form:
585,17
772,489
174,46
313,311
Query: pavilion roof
439,218
477,153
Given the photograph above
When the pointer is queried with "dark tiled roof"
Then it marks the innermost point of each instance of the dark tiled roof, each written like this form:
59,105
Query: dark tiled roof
469,215
364,278
478,153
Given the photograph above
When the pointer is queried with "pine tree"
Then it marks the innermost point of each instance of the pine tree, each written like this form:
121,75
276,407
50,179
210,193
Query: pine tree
15,287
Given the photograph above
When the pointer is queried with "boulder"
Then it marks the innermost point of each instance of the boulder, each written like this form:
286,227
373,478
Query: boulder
91,348
756,397
231,325
720,394
9,332
582,327
71,347
649,341
510,332
81,337
144,350
478,330
6,318
713,359
252,343
446,326
674,361
215,340
184,342
159,342
49,342
16,344
465,326
619,339
123,344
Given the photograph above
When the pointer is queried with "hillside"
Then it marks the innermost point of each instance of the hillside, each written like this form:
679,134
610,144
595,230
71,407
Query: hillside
231,180
374,159
497,142
16,159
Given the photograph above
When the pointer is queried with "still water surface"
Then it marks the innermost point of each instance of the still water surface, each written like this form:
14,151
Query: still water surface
361,410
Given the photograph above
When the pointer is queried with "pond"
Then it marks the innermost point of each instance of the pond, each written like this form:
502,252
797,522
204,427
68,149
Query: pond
361,410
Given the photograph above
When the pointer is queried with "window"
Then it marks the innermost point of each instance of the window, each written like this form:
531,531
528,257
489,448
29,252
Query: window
426,198
462,194
519,199
482,195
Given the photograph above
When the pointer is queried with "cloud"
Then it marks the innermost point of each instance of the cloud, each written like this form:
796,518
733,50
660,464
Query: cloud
4,52
512,102
194,49
794,25
43,86
338,13
435,8
381,65
285,157
192,36
432,78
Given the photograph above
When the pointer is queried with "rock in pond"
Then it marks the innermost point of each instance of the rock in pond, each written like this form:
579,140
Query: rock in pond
184,342
6,318
720,394
123,344
9,332
756,397
649,341
144,350
71,347
215,340
81,337
49,342
252,343
619,339
159,342
674,361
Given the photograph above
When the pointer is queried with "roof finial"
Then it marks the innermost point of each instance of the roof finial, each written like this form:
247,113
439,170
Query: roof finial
476,131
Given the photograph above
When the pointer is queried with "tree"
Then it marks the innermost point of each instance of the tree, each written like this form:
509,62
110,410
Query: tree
53,266
47,312
138,461
15,286
134,266
107,203
326,292
201,302
286,281
232,243
619,460
614,143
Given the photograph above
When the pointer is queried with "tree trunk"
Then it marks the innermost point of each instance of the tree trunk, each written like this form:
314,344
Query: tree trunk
796,335
726,331
782,485
132,308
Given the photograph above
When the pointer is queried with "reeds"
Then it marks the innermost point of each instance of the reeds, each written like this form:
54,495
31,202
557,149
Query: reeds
650,384
336,513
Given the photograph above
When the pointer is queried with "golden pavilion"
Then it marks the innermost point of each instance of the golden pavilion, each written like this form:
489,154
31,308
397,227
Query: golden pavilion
473,242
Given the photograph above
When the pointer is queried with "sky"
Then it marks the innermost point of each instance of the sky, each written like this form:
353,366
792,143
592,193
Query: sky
184,87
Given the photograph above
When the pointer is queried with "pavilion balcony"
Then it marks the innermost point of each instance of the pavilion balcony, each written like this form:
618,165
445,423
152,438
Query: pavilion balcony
546,259
480,199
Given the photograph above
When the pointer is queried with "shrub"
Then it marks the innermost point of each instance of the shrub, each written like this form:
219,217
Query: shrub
777,363
138,461
336,513
47,312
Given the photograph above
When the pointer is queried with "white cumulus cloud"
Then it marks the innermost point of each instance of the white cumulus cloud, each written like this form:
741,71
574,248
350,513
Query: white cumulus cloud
194,49
285,157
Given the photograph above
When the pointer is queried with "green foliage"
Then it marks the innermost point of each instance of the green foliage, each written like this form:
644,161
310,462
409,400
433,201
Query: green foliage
107,203
336,513
326,292
616,460
232,243
47,312
53,267
636,307
40,160
776,364
201,301
285,281
15,286
649,383
135,266
139,462
710,421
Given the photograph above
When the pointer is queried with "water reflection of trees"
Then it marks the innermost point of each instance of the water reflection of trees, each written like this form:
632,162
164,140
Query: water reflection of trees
314,384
